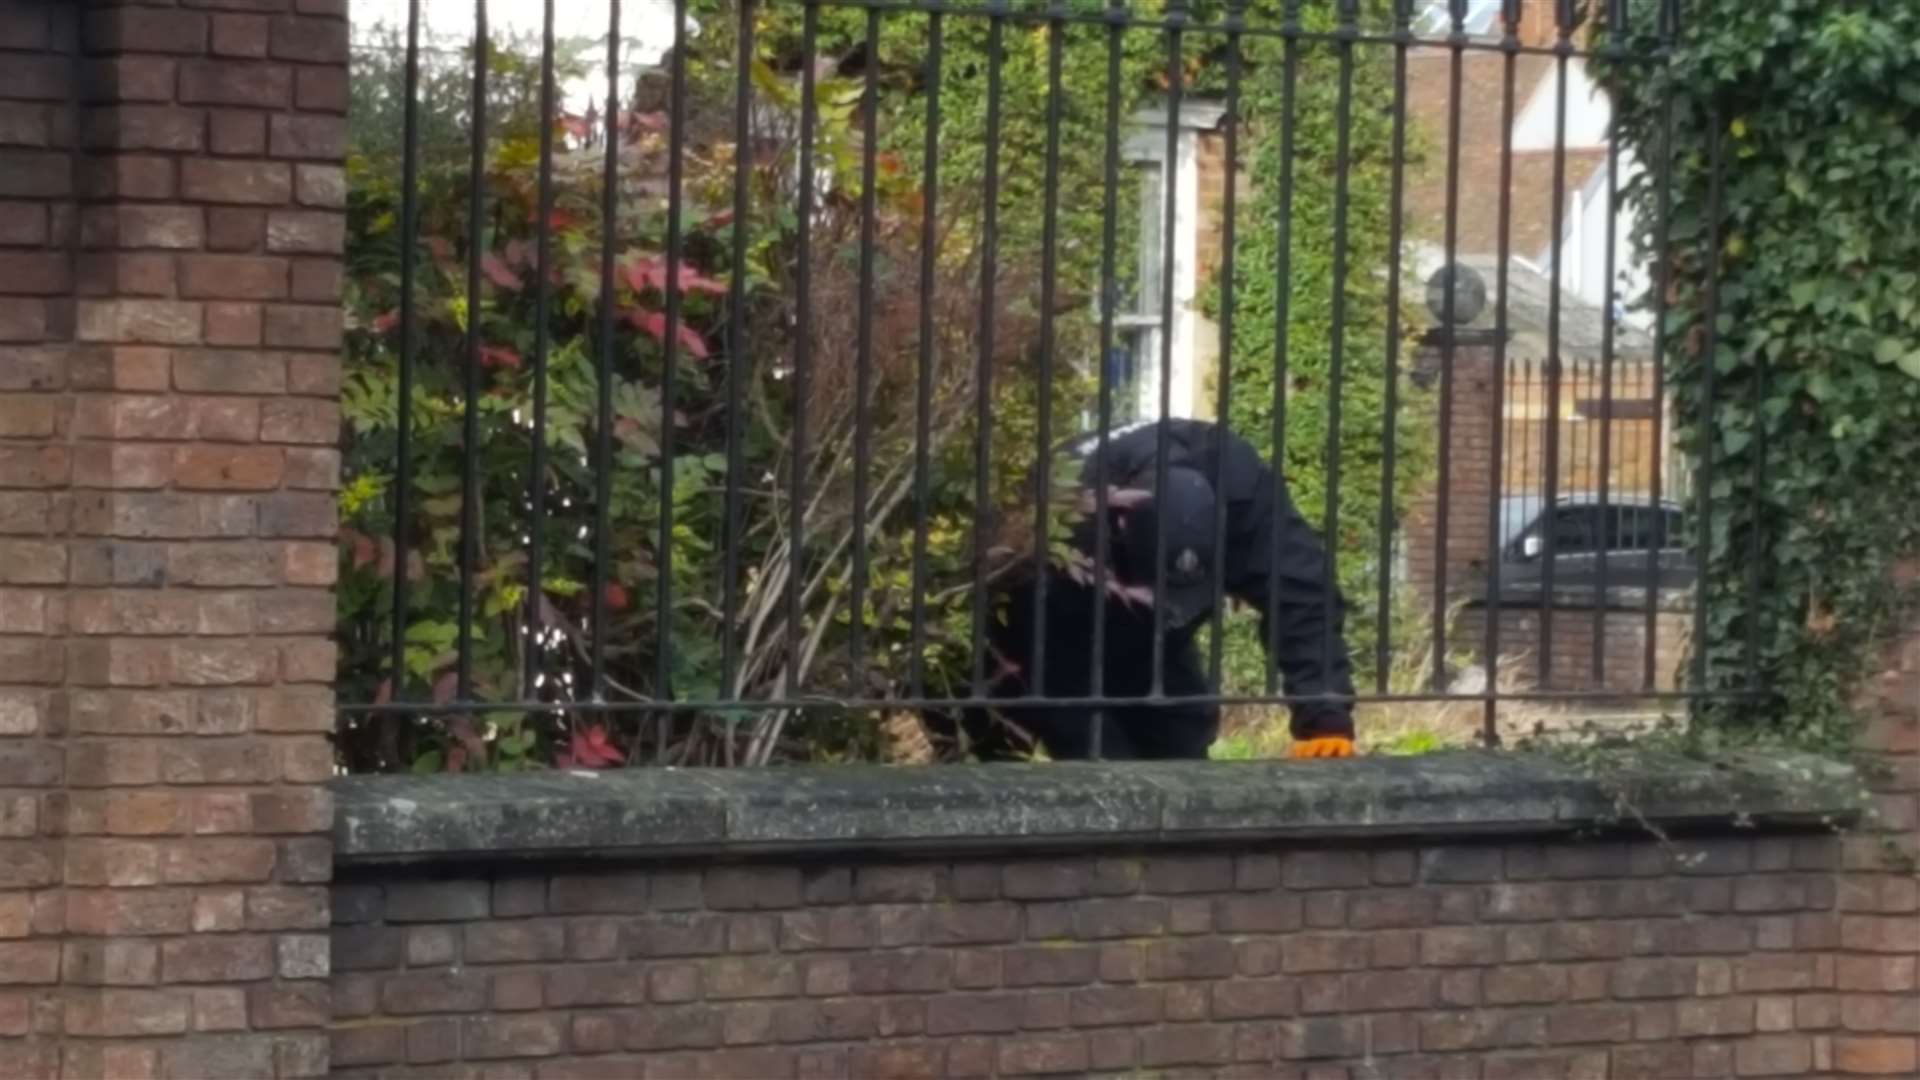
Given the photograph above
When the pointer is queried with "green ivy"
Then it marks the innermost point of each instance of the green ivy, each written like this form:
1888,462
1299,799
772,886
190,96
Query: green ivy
1812,429
1315,170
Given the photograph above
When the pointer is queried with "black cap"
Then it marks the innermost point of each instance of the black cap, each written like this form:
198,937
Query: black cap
1188,507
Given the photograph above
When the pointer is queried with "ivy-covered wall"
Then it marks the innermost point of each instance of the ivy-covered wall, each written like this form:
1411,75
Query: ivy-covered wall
1791,270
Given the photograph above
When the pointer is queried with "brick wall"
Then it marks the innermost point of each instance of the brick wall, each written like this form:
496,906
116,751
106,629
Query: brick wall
1518,960
1623,647
37,220
1877,964
172,198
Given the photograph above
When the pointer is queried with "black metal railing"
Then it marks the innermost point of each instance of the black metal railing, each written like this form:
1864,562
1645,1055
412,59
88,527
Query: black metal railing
785,309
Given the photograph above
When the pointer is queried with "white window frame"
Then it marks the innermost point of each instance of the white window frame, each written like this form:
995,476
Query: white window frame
1146,328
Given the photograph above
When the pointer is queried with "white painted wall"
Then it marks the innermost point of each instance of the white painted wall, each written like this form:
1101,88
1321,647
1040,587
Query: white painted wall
1588,112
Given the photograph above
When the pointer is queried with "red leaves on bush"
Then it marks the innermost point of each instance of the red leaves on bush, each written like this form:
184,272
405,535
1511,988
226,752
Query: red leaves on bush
654,323
650,272
498,272
617,598
589,748
499,356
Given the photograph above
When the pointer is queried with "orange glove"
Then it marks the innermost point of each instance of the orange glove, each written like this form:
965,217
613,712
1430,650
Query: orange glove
1328,746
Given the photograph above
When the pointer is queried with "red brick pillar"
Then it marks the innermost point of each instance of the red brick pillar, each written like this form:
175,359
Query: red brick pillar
1878,969
37,131
166,487
1469,471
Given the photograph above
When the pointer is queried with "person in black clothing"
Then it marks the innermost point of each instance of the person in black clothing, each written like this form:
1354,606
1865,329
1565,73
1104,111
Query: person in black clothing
1261,524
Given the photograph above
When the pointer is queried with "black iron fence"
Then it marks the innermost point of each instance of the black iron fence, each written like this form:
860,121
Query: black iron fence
718,370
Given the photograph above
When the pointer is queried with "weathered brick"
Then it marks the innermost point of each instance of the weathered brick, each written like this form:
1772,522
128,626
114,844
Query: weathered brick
241,36
321,89
1452,1032
1876,1056
514,942
1774,1055
433,992
1189,874
1047,966
577,985
110,963
234,133
313,138
1198,958
1774,972
116,863
309,41
233,229
302,956
1254,999
1653,978
228,82
208,958
302,327
139,322
306,232
513,1036
751,977
300,420
111,1013
973,924
901,971
232,277
208,662
437,901
218,860
144,127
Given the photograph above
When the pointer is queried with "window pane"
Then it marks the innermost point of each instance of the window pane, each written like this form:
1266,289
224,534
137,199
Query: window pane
1146,299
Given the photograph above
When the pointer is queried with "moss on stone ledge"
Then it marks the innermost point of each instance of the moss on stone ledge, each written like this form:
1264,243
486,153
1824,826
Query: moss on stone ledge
669,812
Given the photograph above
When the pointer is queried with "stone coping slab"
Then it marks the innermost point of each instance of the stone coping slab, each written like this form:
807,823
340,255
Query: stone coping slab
657,812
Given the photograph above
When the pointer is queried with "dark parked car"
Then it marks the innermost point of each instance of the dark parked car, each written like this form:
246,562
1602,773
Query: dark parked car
1644,543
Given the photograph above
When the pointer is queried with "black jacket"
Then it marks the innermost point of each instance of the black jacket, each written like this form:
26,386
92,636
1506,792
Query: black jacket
1272,559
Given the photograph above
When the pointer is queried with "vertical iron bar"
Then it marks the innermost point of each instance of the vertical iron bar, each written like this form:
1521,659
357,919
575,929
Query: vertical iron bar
1616,24
470,380
863,371
1109,298
603,423
1389,520
1456,45
983,379
1216,639
1563,48
1049,238
1347,32
409,245
533,633
1703,425
802,346
1756,519
923,387
1169,221
736,351
1661,280
1290,30
1490,629
676,170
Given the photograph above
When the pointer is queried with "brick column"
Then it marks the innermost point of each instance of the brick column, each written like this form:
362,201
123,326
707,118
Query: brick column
176,465
1470,463
1878,968
37,128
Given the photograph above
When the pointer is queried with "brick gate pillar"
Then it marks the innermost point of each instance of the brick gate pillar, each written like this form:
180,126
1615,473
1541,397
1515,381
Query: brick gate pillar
1877,970
171,188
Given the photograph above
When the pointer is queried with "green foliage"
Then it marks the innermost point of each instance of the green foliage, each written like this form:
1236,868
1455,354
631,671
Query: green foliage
1303,247
814,651
1812,429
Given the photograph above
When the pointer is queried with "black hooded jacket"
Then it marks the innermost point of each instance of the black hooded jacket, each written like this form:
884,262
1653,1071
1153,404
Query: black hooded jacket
1271,559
